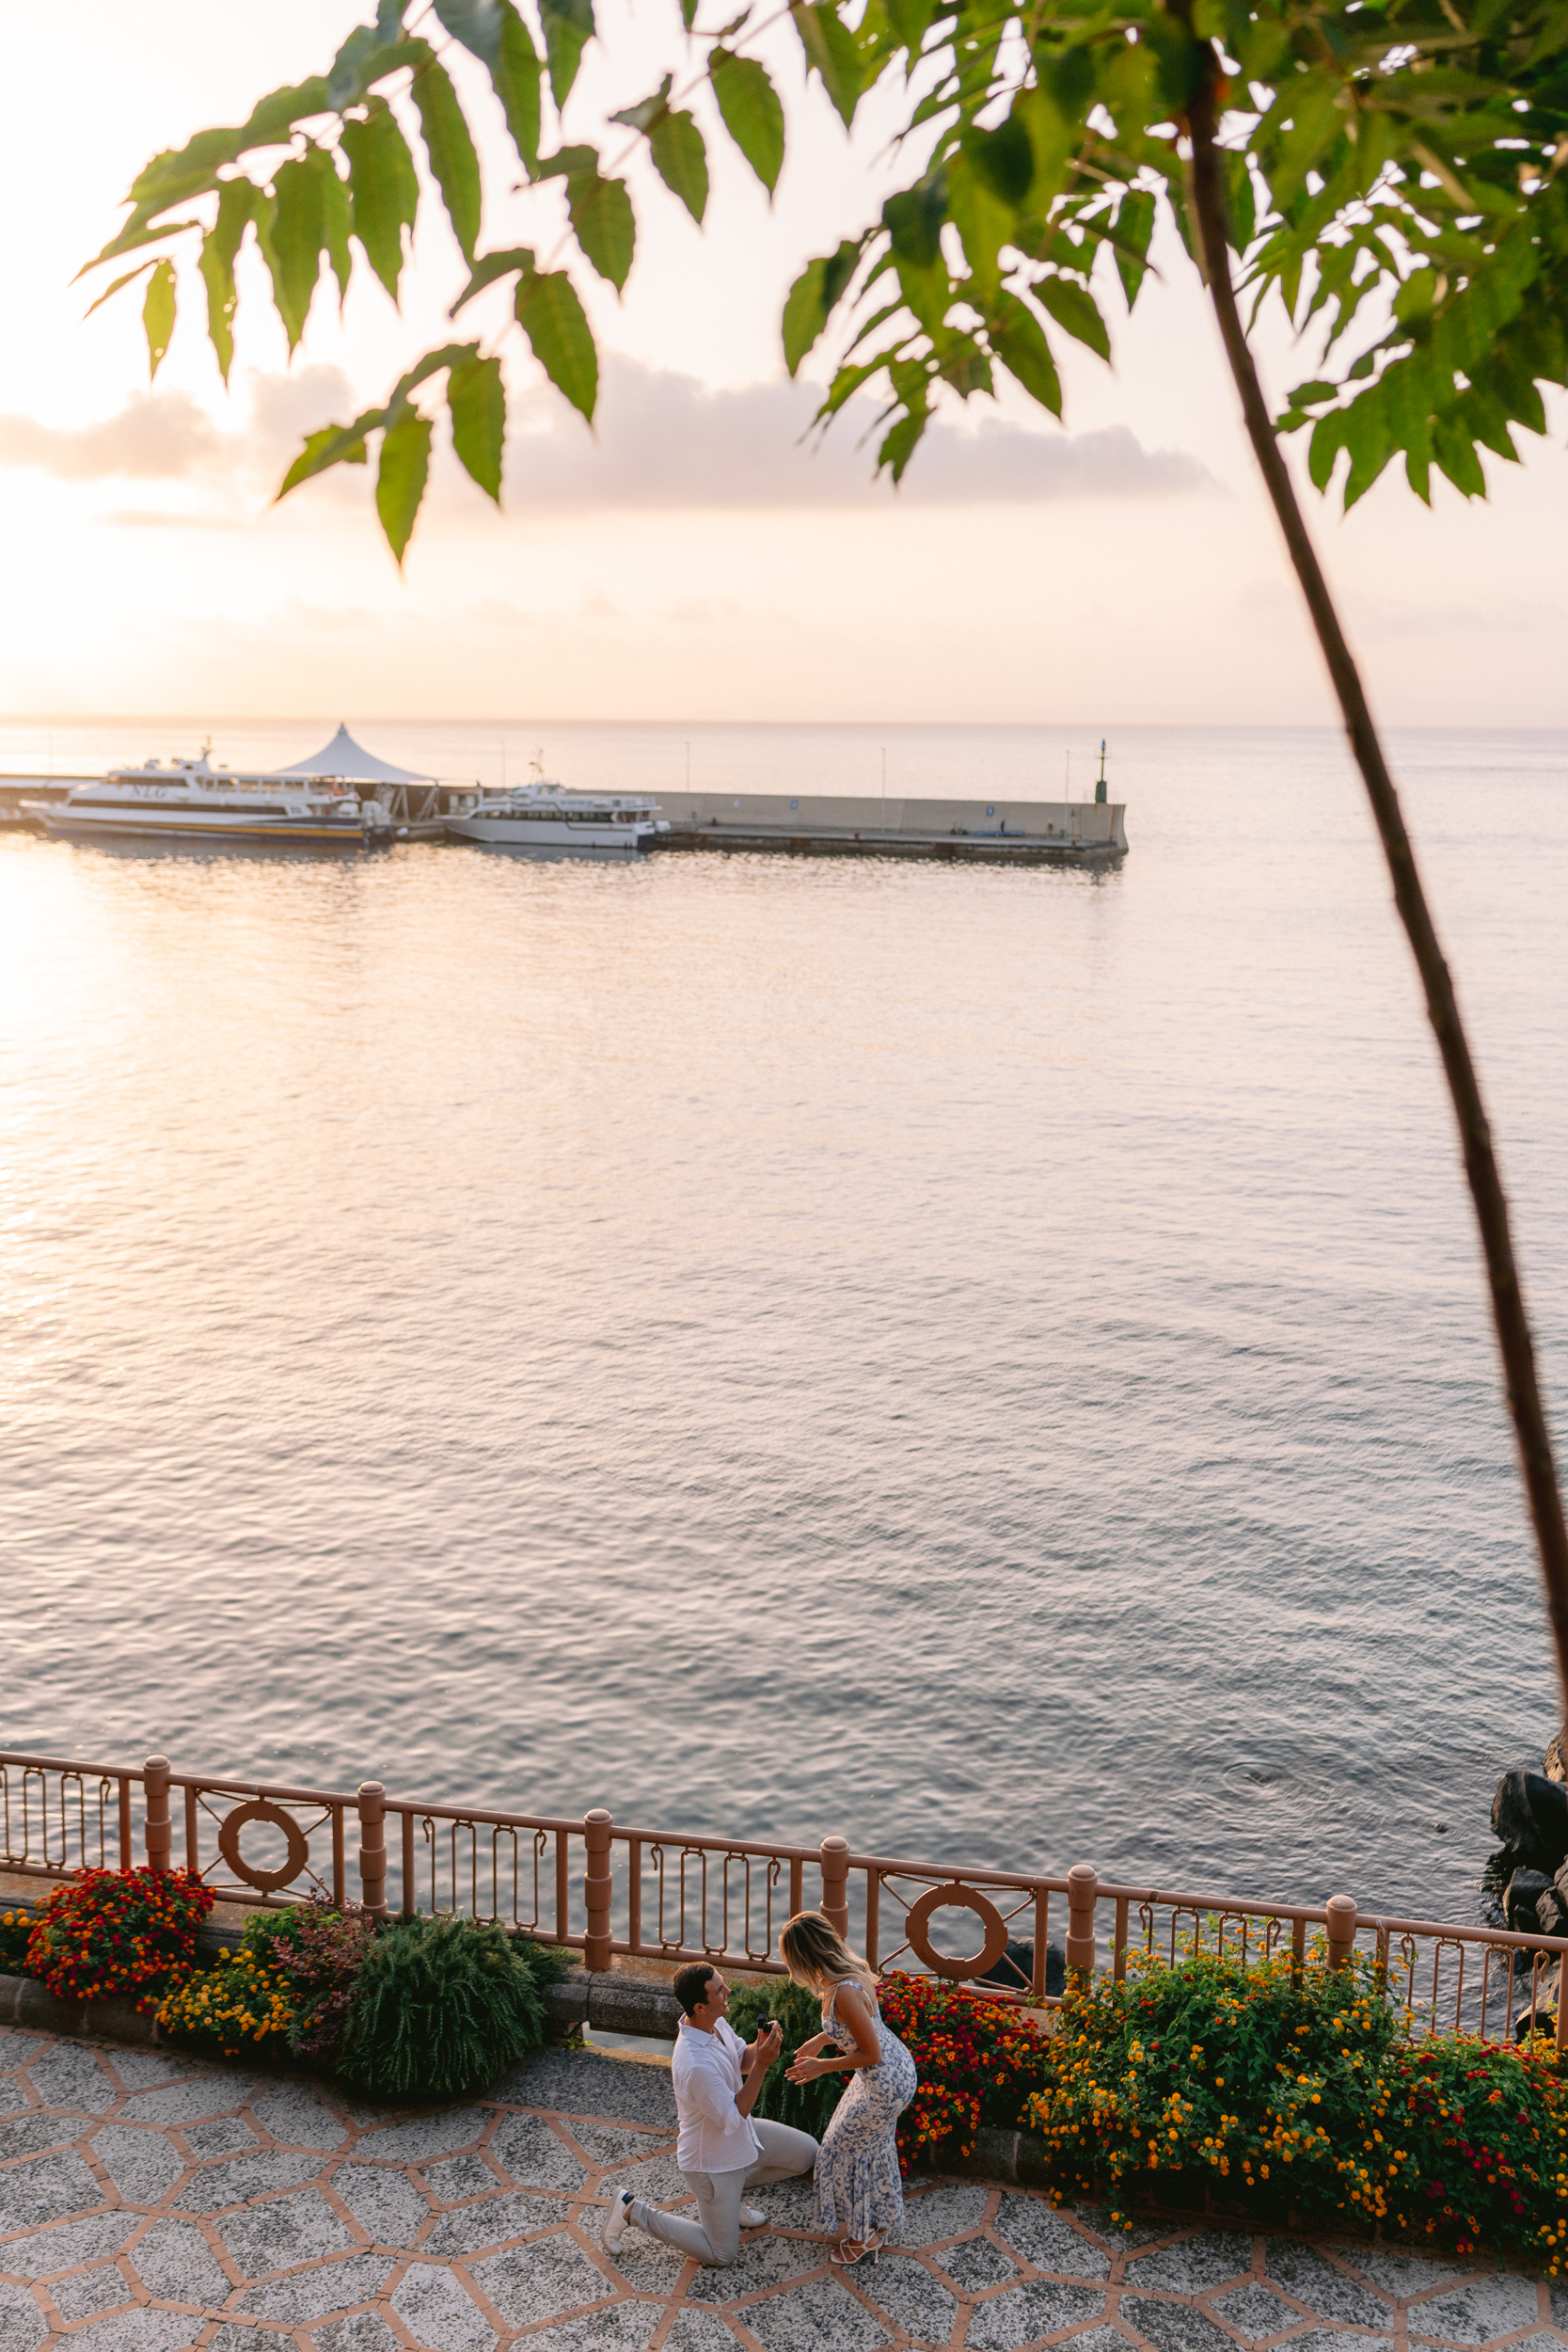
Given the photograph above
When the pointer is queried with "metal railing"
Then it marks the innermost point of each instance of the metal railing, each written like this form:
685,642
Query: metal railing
608,1891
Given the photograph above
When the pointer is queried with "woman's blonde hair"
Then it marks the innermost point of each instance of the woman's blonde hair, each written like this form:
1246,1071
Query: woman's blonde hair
816,1955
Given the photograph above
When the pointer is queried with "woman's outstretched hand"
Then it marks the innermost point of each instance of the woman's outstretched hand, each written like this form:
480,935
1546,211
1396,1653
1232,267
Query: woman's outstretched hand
806,2070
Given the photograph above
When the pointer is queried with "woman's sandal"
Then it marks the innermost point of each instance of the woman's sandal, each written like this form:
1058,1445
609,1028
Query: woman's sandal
841,2256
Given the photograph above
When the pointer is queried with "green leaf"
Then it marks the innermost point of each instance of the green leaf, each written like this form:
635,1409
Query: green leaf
568,28
1455,453
516,76
488,268
157,315
901,443
476,24
290,231
680,160
604,223
648,110
555,323
751,114
1074,308
914,220
1136,222
384,190
109,291
236,206
831,51
477,399
1019,344
334,445
402,476
450,147
813,296
332,195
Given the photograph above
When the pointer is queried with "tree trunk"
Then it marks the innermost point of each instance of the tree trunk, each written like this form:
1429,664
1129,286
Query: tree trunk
1481,1167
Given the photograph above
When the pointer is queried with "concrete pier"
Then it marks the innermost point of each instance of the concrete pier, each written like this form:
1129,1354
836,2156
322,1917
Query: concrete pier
1007,833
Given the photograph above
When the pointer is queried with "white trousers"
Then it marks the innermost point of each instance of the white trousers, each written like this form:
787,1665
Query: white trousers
714,2237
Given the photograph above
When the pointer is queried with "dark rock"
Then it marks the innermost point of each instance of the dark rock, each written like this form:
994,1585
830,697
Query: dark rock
1529,1814
1540,2017
1557,1767
1016,1969
1521,1897
1551,1906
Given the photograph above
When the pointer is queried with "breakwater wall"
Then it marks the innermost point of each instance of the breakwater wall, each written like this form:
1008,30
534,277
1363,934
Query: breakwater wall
656,1896
1063,824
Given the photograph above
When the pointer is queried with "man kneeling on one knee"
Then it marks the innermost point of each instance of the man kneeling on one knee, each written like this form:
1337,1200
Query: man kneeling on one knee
720,2150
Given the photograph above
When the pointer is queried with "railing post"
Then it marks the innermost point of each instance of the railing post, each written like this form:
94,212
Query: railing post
373,1848
1083,1885
596,1889
1342,1929
159,1828
835,1882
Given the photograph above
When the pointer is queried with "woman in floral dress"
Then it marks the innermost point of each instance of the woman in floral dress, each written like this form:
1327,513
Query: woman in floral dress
859,2193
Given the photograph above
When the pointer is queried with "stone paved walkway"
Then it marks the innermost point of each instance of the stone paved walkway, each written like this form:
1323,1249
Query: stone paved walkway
146,2204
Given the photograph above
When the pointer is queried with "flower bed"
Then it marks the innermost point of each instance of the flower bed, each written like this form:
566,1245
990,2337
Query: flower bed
106,1932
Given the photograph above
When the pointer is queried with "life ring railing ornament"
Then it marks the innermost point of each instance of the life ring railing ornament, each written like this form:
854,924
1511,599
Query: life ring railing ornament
954,1897
262,1809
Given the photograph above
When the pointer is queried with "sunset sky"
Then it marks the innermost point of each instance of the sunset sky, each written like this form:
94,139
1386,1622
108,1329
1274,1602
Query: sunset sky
691,559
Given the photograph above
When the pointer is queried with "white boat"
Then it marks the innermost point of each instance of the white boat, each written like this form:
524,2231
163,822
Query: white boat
190,799
541,816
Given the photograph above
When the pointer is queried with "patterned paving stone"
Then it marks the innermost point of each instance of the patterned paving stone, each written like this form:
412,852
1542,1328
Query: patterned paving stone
1313,2279
910,2296
16,2049
471,2229
1049,2240
1194,2264
540,2281
422,2137
139,2330
647,2267
763,2261
1037,2308
283,2232
297,2116
1332,2340
818,2316
458,2177
1476,2311
177,2265
976,2264
1174,2327
138,2070
190,2102
1103,2340
71,2242
1255,2311
578,2082
1140,2230
362,2332
231,2337
225,2136
387,2205
46,2189
944,2212
21,2322
318,2293
603,2144
437,2313
13,2093
624,2327
535,2157
71,2076
143,2165
658,2182
88,2292
1401,2274
788,2204
244,2177
697,2331
29,2135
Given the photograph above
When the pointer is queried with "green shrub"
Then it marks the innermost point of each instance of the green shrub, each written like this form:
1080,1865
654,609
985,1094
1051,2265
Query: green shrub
1303,2088
442,2006
808,2107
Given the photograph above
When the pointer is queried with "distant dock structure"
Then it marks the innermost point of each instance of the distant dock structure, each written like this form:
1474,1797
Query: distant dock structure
1082,833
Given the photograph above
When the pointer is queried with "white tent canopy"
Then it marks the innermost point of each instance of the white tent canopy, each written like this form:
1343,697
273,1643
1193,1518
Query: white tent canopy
343,759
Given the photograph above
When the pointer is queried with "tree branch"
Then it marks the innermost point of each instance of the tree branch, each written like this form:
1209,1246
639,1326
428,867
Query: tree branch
1481,1167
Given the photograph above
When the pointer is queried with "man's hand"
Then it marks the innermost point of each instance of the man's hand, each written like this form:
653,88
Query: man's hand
765,2048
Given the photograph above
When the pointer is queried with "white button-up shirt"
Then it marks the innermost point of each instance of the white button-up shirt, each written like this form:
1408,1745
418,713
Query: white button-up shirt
715,2137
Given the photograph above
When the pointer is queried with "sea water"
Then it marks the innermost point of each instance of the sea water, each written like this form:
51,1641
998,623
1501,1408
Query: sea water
993,1363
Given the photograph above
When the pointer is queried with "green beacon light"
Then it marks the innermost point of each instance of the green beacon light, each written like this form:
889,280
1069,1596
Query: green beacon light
1100,792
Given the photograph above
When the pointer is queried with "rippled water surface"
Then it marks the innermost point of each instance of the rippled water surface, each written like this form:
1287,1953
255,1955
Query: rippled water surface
990,1363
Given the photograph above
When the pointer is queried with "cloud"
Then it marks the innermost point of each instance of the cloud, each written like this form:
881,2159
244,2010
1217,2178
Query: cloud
667,441
157,436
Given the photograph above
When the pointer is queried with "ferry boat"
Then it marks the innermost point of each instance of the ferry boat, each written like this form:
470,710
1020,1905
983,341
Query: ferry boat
541,816
190,799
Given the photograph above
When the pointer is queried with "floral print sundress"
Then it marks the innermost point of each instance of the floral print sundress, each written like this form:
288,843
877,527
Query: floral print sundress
860,2191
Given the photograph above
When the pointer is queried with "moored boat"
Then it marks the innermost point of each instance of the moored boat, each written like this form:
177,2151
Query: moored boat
190,799
542,816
